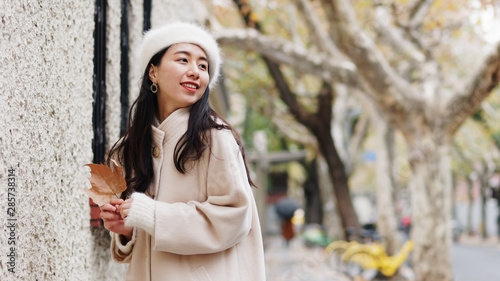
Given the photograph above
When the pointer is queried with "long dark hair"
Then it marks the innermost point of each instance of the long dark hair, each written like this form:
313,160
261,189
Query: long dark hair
134,150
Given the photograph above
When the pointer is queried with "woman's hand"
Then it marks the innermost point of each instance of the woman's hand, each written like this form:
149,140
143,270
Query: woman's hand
124,208
113,219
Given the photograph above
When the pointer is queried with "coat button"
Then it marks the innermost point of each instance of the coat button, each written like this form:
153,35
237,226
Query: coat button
156,151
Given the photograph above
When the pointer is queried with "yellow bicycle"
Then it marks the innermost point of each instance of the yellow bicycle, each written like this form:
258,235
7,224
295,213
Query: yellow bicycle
370,256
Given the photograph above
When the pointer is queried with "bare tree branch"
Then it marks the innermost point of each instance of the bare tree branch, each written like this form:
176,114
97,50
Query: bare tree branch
390,90
394,37
320,36
412,28
325,101
293,129
316,124
285,52
476,89
418,13
290,24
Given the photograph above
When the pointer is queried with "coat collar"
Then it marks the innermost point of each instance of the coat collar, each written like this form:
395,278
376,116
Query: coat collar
172,128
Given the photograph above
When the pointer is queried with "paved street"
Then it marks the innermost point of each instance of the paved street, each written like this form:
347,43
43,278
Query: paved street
297,263
472,260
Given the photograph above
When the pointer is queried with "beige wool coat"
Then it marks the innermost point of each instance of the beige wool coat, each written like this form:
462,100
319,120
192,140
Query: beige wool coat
206,221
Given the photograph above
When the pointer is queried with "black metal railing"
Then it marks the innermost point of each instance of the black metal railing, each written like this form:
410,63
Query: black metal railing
99,82
124,47
147,15
99,79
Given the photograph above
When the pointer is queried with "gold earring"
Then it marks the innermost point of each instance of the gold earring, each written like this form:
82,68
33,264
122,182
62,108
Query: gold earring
154,88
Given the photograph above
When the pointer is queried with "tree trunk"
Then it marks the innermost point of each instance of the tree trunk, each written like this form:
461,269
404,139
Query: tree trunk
430,186
319,124
387,224
470,201
483,176
339,179
312,193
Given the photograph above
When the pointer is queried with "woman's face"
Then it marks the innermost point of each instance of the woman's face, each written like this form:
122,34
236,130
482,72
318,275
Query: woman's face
182,77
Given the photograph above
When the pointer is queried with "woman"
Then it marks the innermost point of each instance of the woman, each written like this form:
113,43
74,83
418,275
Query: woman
190,212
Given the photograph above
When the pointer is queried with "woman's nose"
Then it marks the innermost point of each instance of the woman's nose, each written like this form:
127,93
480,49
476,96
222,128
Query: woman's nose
193,71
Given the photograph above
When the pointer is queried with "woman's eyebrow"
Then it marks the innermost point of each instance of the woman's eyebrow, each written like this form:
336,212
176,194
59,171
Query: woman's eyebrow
189,54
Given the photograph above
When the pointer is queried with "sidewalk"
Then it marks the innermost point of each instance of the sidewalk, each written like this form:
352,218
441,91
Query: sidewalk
491,242
297,262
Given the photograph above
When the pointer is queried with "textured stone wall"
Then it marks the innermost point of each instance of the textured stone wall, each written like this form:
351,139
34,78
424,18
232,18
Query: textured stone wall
46,68
135,31
113,70
167,10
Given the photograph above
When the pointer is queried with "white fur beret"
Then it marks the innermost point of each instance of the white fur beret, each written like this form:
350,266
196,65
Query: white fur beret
164,36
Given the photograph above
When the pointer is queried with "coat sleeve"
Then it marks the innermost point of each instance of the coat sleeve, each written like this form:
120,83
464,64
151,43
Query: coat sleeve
218,223
121,249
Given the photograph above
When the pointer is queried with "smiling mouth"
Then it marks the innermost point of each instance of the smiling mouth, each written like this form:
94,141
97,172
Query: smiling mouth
190,86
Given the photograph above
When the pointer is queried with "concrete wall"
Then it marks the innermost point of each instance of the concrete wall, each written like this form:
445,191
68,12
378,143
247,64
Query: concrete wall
113,69
46,69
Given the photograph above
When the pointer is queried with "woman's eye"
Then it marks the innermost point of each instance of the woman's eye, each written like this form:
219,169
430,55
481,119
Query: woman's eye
183,60
203,66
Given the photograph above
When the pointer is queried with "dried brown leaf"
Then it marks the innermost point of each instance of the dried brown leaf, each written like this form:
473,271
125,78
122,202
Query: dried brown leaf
105,183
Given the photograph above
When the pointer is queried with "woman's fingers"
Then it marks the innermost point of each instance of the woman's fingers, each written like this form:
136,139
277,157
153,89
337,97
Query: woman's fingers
124,208
107,215
117,226
116,209
112,216
116,201
112,206
107,208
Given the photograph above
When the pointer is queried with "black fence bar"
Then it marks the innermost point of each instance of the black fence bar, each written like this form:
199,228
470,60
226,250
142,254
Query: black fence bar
99,83
147,15
124,48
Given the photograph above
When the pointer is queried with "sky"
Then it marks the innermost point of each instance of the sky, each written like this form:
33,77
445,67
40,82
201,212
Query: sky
489,20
